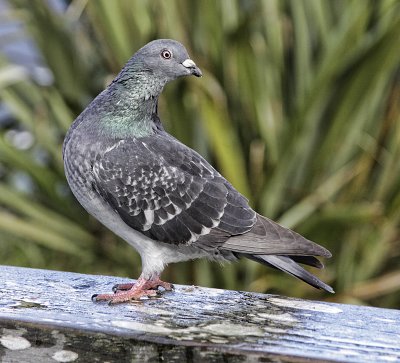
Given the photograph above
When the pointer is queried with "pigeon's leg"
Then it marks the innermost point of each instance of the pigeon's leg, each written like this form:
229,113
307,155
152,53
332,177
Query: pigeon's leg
126,292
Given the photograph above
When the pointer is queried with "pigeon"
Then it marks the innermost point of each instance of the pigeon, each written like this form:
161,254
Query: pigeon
159,195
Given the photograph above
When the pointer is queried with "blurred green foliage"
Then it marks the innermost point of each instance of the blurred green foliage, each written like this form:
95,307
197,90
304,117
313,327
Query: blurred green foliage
299,108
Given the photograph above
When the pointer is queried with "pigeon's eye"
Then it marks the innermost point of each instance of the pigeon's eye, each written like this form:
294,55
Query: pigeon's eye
166,54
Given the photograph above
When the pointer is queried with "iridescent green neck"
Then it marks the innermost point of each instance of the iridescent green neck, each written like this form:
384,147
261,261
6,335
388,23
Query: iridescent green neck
128,106
124,127
130,119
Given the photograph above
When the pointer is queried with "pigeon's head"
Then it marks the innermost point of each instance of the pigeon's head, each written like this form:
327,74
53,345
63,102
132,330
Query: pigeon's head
166,59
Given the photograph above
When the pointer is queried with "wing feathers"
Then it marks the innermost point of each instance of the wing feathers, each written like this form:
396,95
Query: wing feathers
195,226
169,192
202,218
268,237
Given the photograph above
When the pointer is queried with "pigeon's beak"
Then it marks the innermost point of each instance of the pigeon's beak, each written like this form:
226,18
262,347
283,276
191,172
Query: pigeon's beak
189,64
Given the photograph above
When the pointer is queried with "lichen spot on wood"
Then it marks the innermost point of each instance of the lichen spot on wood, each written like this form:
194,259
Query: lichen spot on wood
13,342
65,356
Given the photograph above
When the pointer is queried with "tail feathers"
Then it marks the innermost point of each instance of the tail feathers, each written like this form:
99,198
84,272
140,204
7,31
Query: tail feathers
286,264
308,260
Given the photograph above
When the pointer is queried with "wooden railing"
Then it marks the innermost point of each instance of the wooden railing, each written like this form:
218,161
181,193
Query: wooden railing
47,316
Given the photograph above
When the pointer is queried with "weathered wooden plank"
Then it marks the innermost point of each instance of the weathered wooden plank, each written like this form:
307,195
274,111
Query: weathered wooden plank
47,316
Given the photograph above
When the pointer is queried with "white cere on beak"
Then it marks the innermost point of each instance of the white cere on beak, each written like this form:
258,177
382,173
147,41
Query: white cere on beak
188,63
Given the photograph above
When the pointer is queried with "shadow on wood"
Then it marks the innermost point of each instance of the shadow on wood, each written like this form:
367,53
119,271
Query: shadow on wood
47,316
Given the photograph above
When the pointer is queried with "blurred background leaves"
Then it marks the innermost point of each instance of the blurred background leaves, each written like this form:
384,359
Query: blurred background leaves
299,108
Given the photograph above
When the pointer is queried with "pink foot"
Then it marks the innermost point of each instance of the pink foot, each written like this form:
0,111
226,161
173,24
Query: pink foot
134,291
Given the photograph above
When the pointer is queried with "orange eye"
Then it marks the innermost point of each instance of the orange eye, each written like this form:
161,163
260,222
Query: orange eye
166,54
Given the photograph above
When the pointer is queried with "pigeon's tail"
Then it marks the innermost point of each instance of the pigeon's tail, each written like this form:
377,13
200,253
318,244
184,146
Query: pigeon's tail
273,245
288,264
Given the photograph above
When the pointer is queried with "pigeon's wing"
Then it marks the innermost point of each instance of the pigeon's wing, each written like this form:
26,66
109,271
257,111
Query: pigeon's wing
268,238
168,192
